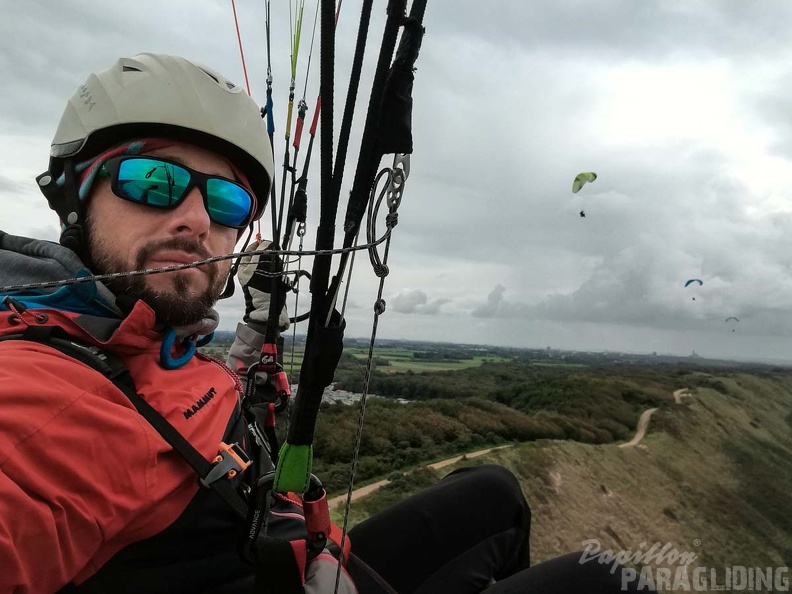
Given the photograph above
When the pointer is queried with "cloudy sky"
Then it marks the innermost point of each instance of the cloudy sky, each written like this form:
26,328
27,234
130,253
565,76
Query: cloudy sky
682,108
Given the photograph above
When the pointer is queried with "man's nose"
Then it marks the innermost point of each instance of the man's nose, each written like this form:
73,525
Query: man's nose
191,217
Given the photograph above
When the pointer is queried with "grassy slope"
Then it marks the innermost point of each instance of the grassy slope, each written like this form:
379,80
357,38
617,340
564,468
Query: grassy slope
717,468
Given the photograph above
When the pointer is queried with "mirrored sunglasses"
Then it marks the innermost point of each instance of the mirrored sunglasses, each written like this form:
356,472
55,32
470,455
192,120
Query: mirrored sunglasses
162,183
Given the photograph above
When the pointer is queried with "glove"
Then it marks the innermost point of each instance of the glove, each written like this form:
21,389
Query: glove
255,276
321,574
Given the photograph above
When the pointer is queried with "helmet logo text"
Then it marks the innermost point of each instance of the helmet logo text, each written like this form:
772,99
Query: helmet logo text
85,95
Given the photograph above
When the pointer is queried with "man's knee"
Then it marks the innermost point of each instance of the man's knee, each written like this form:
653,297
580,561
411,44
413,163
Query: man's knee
492,482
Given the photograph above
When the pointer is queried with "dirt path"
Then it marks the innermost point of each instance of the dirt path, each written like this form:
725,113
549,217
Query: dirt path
640,432
358,493
643,423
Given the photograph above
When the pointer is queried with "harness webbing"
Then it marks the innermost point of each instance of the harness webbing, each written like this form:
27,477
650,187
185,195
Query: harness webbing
114,370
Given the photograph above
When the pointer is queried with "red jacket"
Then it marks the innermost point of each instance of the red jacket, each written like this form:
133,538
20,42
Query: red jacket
82,474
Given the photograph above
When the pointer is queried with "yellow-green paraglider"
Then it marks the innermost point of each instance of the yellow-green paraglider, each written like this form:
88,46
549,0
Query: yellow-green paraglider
581,179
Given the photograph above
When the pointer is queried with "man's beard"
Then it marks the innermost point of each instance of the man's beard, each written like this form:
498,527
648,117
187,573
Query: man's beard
176,308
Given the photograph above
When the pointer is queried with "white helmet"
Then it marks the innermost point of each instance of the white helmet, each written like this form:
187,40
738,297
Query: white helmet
158,95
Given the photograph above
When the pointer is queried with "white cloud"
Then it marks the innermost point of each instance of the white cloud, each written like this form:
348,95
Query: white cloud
415,301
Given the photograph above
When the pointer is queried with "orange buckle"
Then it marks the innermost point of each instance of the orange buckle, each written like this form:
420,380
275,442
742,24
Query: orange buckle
231,460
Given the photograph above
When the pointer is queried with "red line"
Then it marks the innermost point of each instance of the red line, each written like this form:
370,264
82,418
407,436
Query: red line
239,39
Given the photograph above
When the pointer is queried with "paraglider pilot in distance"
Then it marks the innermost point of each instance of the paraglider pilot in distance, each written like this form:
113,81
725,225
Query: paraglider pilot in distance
93,496
694,282
580,180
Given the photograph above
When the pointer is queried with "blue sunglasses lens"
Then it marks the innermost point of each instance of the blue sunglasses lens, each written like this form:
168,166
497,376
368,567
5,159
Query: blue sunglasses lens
152,182
229,204
161,184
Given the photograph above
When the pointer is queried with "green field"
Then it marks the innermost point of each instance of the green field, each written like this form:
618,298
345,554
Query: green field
399,359
402,360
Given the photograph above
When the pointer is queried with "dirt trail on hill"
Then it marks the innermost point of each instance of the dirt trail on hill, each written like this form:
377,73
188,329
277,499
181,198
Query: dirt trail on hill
643,421
358,493
640,432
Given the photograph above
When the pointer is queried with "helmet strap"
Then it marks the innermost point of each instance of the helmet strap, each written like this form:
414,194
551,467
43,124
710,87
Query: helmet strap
229,290
66,202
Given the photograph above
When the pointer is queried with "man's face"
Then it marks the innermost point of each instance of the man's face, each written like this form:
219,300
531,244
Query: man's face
125,236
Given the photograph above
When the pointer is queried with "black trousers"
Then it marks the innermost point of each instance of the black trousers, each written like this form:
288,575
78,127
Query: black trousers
468,534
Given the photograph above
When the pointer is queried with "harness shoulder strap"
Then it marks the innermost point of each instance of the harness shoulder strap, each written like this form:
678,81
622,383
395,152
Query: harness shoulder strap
211,474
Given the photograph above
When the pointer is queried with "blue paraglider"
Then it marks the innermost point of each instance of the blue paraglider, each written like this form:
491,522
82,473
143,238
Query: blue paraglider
693,281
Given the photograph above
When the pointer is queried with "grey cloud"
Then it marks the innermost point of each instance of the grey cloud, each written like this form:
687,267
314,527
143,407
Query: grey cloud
10,186
88,39
497,306
769,107
48,233
611,28
415,301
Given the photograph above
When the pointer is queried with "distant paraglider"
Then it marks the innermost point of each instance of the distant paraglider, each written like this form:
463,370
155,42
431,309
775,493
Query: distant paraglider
693,281
732,319
581,179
